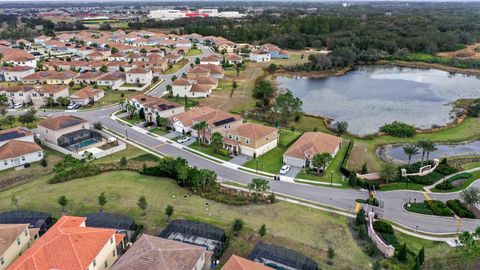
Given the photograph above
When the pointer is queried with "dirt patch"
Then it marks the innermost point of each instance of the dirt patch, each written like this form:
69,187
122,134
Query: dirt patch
361,155
458,182
470,52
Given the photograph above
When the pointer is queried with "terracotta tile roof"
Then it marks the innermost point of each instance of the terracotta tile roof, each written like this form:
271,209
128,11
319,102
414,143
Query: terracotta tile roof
156,103
182,82
51,89
9,233
86,92
198,69
211,58
61,122
94,54
16,148
15,55
238,263
186,118
16,68
214,69
139,70
155,253
199,88
67,245
89,75
206,80
16,88
49,74
233,57
311,143
112,76
253,131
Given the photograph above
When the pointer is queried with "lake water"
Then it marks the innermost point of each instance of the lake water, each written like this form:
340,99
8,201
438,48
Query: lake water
370,96
390,153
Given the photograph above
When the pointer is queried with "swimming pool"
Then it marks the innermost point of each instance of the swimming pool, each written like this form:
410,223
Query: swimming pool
83,144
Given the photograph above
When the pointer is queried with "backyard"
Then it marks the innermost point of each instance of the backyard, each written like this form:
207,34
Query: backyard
319,231
193,52
176,67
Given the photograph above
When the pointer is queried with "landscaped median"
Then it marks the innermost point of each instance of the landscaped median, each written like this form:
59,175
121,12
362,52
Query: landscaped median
458,182
439,208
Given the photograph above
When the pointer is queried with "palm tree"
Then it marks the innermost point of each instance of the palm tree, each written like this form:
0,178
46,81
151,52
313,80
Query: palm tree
410,150
201,126
431,147
320,161
423,144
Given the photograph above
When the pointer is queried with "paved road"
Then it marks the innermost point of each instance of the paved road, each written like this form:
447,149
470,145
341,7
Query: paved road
334,197
168,77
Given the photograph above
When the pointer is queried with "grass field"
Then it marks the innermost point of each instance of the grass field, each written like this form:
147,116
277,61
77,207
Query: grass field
209,151
272,161
475,176
311,234
402,185
176,67
420,208
193,52
472,165
158,131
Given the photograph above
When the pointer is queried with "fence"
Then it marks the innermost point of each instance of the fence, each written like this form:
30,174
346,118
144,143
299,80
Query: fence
387,250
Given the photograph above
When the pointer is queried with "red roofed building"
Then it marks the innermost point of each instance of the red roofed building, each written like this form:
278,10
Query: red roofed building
238,263
70,245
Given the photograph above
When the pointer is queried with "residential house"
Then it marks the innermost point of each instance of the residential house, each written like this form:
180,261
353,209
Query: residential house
40,94
50,77
189,88
112,79
198,72
14,240
88,77
217,121
173,58
87,95
53,128
238,263
211,59
259,56
155,253
216,71
95,56
19,134
302,151
275,51
251,139
233,59
41,40
225,46
17,57
139,76
17,94
155,106
15,73
69,244
16,153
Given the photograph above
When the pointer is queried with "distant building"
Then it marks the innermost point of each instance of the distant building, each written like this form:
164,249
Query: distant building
172,14
259,56
14,240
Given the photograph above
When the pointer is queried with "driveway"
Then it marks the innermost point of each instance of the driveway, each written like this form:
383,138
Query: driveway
240,159
293,171
172,135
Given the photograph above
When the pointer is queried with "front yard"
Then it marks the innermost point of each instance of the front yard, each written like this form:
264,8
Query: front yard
208,150
193,52
176,67
272,161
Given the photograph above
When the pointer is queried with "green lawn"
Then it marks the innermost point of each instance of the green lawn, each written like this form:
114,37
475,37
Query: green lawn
475,176
472,165
209,151
319,230
193,52
132,120
420,208
334,167
176,66
401,185
158,131
129,153
272,161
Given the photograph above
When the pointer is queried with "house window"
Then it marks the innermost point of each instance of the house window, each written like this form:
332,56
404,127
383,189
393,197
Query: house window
247,141
111,240
18,241
23,158
106,264
114,253
5,162
25,232
237,138
1,261
39,154
266,138
94,263
230,136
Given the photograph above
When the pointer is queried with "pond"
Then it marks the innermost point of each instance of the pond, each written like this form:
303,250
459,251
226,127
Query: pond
370,96
394,153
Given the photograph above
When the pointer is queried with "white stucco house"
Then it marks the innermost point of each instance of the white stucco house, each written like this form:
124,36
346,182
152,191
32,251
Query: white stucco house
259,56
139,76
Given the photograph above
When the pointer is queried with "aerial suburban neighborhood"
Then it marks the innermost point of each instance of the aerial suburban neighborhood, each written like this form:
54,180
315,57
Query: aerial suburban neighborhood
297,135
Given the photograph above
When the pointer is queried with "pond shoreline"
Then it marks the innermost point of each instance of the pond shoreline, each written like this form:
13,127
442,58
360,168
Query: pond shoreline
457,110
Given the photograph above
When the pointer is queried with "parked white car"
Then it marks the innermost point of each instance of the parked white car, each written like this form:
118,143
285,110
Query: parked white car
184,139
71,106
284,170
17,105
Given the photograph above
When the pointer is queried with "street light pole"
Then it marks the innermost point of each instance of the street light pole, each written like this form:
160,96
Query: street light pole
331,178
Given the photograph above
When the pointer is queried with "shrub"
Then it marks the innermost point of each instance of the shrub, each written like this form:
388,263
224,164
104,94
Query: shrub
390,239
439,208
398,129
445,185
445,169
382,227
362,232
223,152
97,125
43,162
459,209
